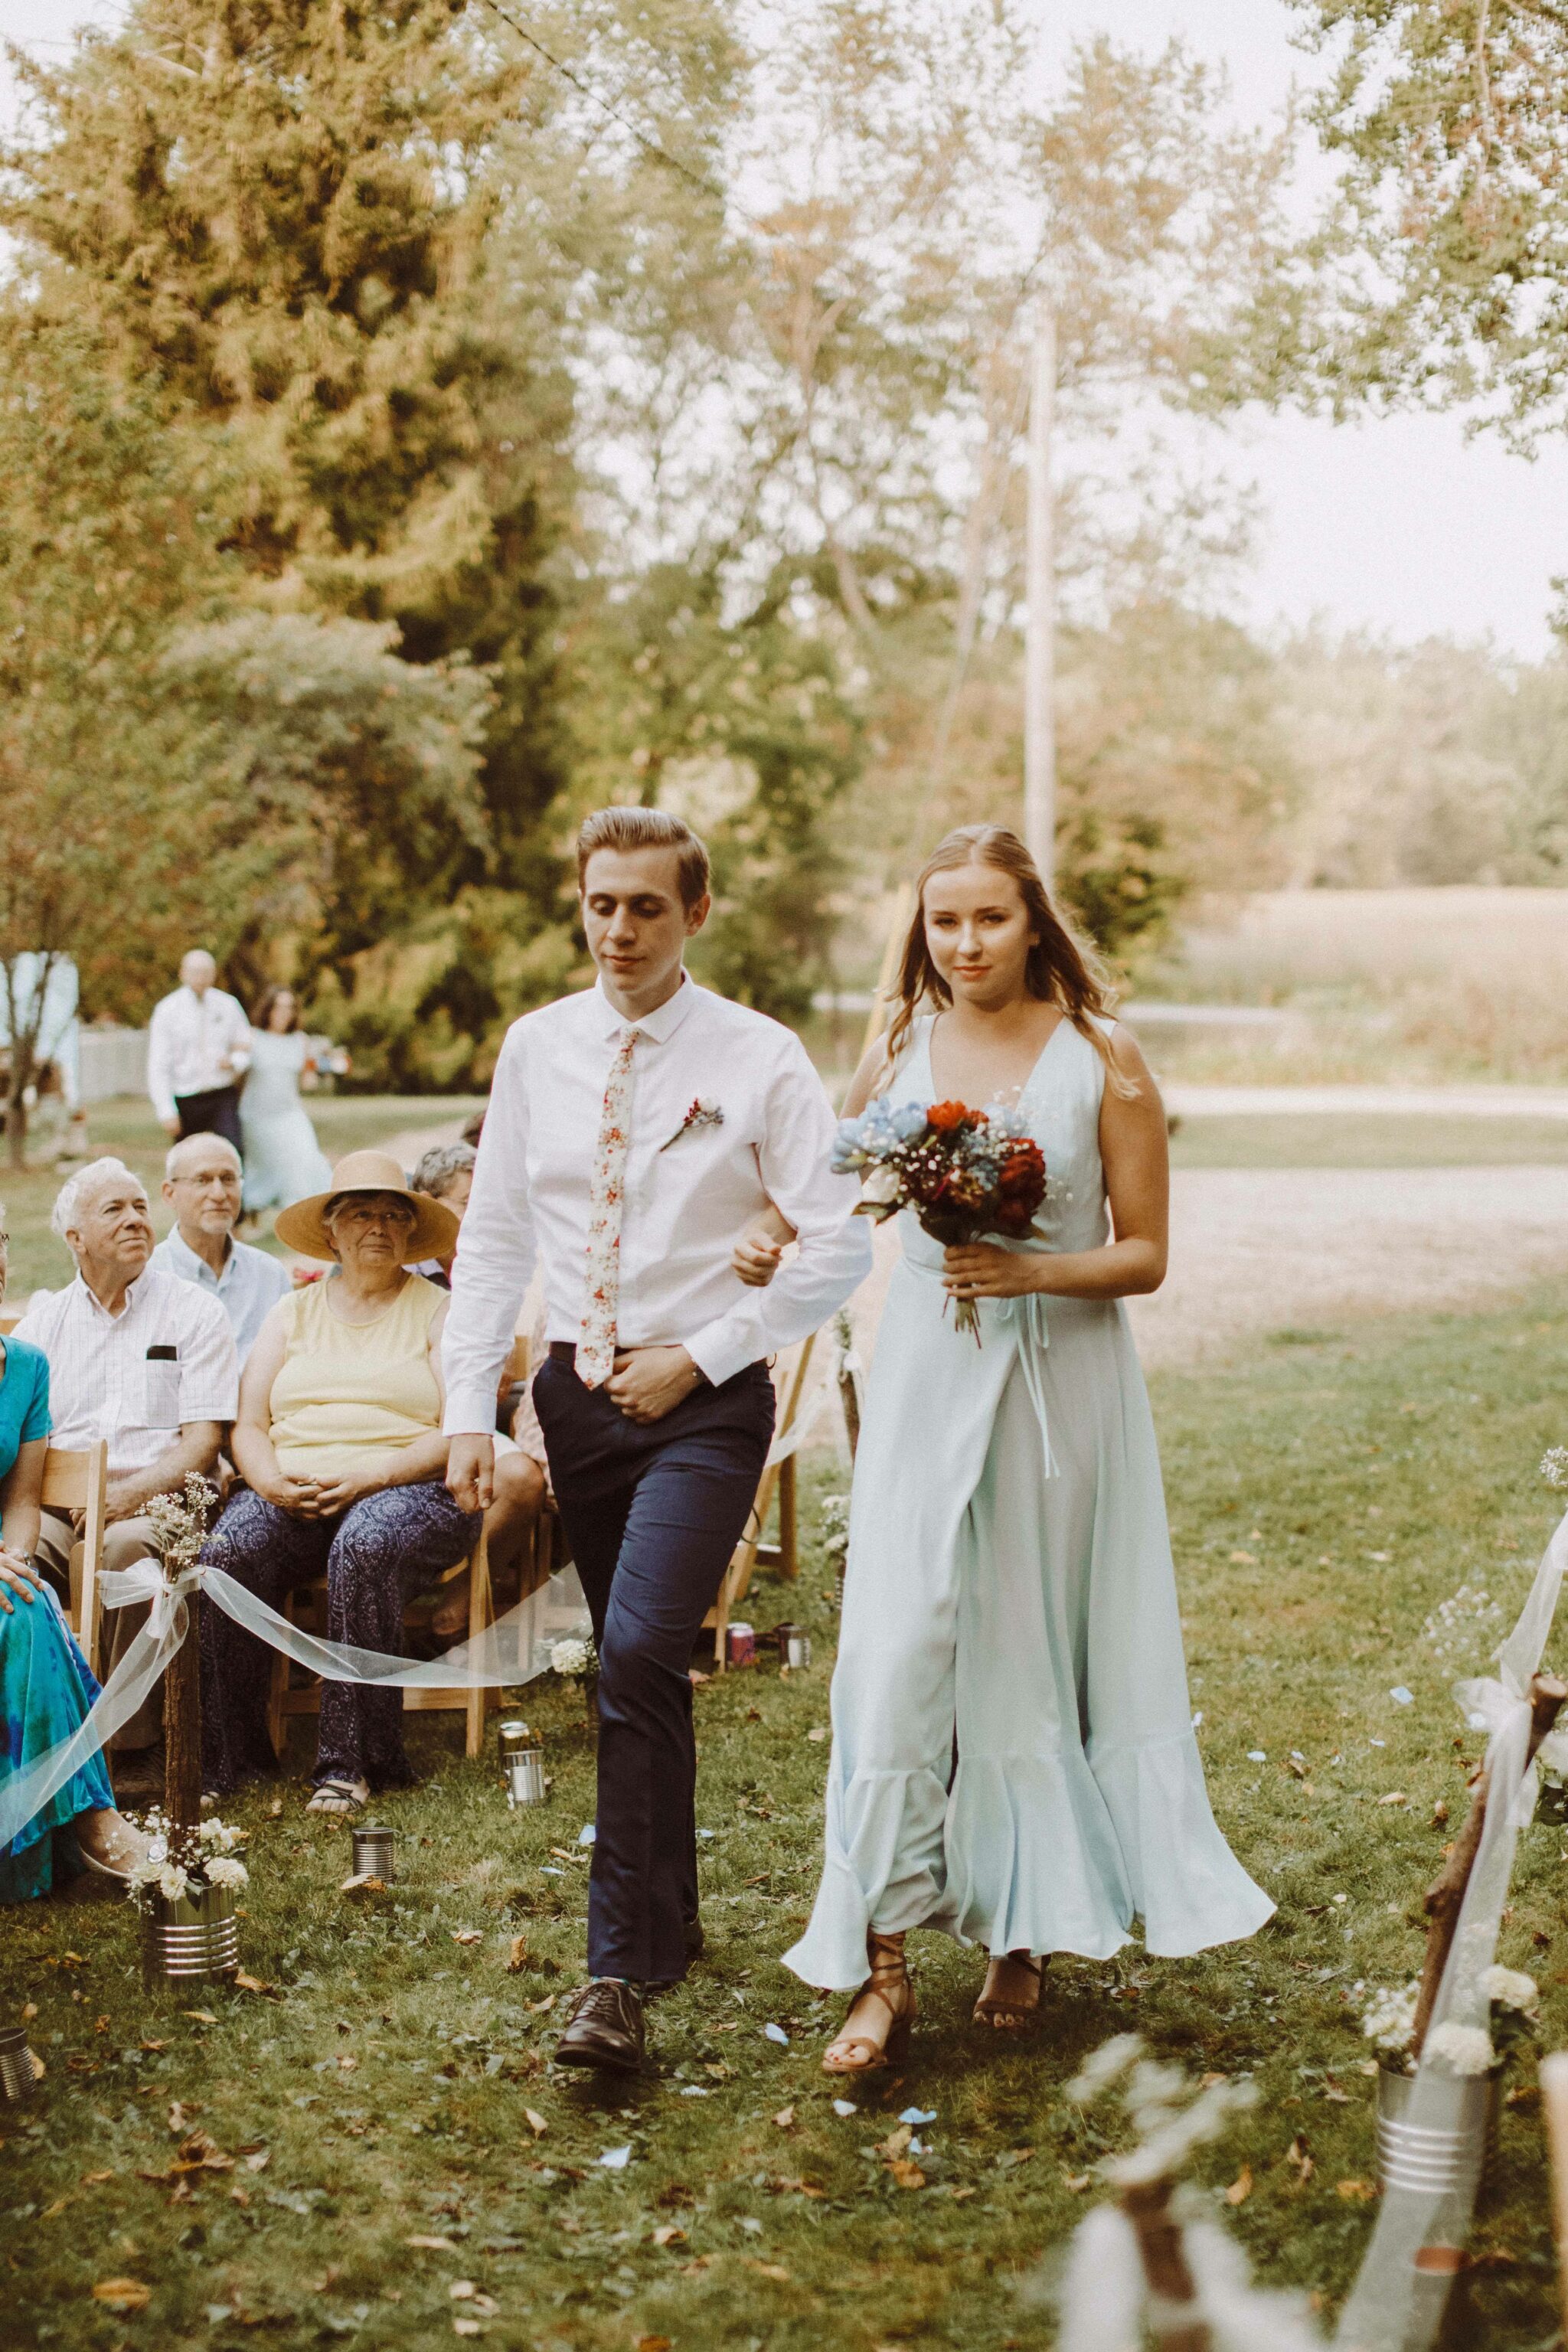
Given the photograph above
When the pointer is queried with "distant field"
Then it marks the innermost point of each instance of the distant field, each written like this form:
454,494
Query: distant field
1431,985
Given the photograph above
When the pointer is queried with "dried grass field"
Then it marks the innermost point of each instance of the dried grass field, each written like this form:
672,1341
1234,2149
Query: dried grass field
377,2177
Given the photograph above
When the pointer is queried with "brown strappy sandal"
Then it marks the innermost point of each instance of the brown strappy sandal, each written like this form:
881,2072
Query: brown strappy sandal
1011,2016
892,1985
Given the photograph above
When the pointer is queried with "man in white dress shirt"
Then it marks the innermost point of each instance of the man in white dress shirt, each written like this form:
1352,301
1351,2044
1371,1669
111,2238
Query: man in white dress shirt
204,1185
136,1358
199,1046
633,1131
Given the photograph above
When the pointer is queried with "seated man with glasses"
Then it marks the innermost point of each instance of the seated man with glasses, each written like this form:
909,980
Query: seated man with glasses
339,1442
202,1184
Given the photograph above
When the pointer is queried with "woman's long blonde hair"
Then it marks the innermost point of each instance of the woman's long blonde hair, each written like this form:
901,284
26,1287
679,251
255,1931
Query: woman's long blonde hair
1061,970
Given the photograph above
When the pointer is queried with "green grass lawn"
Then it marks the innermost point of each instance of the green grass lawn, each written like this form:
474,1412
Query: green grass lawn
126,1128
1367,1140
1325,1497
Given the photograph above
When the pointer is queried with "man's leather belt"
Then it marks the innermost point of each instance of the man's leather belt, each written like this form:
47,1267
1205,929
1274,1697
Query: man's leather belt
563,1351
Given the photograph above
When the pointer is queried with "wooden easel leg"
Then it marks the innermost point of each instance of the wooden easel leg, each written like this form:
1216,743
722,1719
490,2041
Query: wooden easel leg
789,1558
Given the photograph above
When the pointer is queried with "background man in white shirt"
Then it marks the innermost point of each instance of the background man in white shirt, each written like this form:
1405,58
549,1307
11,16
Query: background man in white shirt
136,1358
633,1131
198,1046
204,1186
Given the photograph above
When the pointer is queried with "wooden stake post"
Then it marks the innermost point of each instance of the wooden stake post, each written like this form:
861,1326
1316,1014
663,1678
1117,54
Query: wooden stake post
183,1727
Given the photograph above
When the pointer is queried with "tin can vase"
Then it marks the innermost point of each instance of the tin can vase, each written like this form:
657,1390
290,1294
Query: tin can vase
521,1763
740,1644
18,2067
798,1653
1447,2152
192,1940
375,1845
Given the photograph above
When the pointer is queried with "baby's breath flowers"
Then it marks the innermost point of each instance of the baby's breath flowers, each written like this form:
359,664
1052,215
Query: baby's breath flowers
1554,1465
1388,2017
208,1860
1388,2020
1467,1622
572,1657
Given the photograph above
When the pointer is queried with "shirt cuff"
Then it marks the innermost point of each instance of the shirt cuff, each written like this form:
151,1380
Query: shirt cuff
720,1350
470,1411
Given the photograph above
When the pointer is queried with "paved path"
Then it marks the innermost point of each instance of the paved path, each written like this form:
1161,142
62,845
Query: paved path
1333,1102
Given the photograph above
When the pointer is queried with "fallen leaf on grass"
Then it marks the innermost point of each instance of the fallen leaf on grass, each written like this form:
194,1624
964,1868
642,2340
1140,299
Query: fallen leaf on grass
768,2270
538,2008
1240,2188
1302,2164
896,2141
259,2159
907,2174
816,1733
784,2119
59,2206
1356,2192
180,2117
92,2180
432,2246
517,1956
1394,1797
122,2294
1527,2095
697,2265
1077,2181
202,2016
468,2327
363,1882
347,2062
254,1984
652,2344
669,2233
468,1936
154,2045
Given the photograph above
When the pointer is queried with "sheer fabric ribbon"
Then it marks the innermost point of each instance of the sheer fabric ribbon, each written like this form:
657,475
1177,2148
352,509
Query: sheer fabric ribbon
512,1650
1394,2306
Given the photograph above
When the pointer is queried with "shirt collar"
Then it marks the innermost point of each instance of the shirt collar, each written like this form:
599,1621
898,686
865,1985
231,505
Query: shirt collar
194,1267
135,1293
658,1026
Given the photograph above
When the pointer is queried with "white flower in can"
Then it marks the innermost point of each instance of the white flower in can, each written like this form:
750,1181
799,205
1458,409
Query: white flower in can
224,1870
1389,2017
1461,2048
1510,1989
172,1882
569,1657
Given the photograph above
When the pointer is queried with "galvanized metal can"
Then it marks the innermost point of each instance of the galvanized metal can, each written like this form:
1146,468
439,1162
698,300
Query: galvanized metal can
798,1653
741,1641
522,1764
1446,2153
18,2073
193,1939
373,1852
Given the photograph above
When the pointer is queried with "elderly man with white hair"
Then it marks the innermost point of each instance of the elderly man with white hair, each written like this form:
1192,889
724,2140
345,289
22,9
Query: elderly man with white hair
135,1357
198,1047
203,1185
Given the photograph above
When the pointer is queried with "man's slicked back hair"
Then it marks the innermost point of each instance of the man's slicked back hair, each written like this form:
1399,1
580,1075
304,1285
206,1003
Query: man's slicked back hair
646,828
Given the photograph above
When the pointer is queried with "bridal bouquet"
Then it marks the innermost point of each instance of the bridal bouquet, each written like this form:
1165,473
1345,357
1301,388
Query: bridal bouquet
965,1173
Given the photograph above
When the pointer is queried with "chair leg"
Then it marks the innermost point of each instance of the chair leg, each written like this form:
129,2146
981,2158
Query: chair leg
479,1615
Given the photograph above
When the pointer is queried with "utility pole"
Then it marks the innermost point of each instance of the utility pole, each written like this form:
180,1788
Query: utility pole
1040,628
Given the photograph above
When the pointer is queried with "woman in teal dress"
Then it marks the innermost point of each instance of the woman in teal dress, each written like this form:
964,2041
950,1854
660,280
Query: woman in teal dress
1013,1758
45,1683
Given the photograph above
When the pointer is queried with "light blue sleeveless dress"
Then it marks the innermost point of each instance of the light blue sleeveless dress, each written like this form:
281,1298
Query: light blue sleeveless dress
1012,1753
283,1160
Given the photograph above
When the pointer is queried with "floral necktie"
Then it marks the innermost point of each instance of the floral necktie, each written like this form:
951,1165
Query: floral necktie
596,1346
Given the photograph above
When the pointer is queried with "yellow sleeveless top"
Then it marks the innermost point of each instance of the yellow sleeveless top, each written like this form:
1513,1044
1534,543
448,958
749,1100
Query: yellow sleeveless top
349,1390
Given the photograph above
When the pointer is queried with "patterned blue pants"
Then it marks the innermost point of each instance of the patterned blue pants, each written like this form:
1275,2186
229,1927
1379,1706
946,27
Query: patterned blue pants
383,1550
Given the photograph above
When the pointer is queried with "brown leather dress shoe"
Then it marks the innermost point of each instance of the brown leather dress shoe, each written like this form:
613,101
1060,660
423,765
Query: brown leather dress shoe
604,2028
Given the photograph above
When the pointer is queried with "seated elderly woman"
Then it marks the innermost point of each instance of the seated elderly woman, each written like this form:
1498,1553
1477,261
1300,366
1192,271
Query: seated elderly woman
339,1443
45,1683
522,1473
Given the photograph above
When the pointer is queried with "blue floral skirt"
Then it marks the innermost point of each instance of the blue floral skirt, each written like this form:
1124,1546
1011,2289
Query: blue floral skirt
46,1689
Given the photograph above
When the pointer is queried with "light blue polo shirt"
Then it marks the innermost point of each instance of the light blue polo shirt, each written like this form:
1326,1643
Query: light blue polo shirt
250,1285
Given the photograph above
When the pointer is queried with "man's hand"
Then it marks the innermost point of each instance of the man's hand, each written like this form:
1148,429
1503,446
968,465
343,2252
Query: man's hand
755,1259
648,1382
171,1127
471,1472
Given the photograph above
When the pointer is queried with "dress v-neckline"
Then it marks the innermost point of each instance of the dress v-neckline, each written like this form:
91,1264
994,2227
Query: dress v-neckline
1034,1066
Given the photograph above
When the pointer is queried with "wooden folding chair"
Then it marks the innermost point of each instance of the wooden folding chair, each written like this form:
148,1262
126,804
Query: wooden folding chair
778,1477
305,1698
77,1479
7,1323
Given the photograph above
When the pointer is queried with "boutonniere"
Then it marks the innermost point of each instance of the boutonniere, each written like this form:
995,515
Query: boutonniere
701,1114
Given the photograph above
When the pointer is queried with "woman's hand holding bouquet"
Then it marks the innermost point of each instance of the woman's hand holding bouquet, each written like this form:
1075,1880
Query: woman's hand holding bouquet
963,1173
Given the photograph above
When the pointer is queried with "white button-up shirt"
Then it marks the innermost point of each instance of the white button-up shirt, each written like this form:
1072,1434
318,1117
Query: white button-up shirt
187,1040
689,1189
102,1382
250,1285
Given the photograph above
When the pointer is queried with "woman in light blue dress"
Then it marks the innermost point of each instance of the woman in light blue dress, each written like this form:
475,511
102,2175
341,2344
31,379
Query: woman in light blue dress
283,1160
46,1685
1012,1753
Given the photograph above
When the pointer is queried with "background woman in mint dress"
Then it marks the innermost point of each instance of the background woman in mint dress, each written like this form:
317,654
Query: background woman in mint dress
1013,1753
45,1686
283,1160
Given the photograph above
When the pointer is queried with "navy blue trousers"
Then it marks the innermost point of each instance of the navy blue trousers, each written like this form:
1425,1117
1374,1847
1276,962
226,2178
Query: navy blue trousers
652,1516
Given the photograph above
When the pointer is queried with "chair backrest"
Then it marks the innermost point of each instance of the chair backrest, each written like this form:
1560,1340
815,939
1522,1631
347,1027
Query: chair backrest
76,1478
8,1323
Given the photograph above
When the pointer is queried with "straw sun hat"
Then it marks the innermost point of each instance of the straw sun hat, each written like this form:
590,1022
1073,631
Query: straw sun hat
303,1226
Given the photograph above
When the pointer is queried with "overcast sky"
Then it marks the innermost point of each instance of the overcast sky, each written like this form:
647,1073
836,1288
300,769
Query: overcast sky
1399,526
